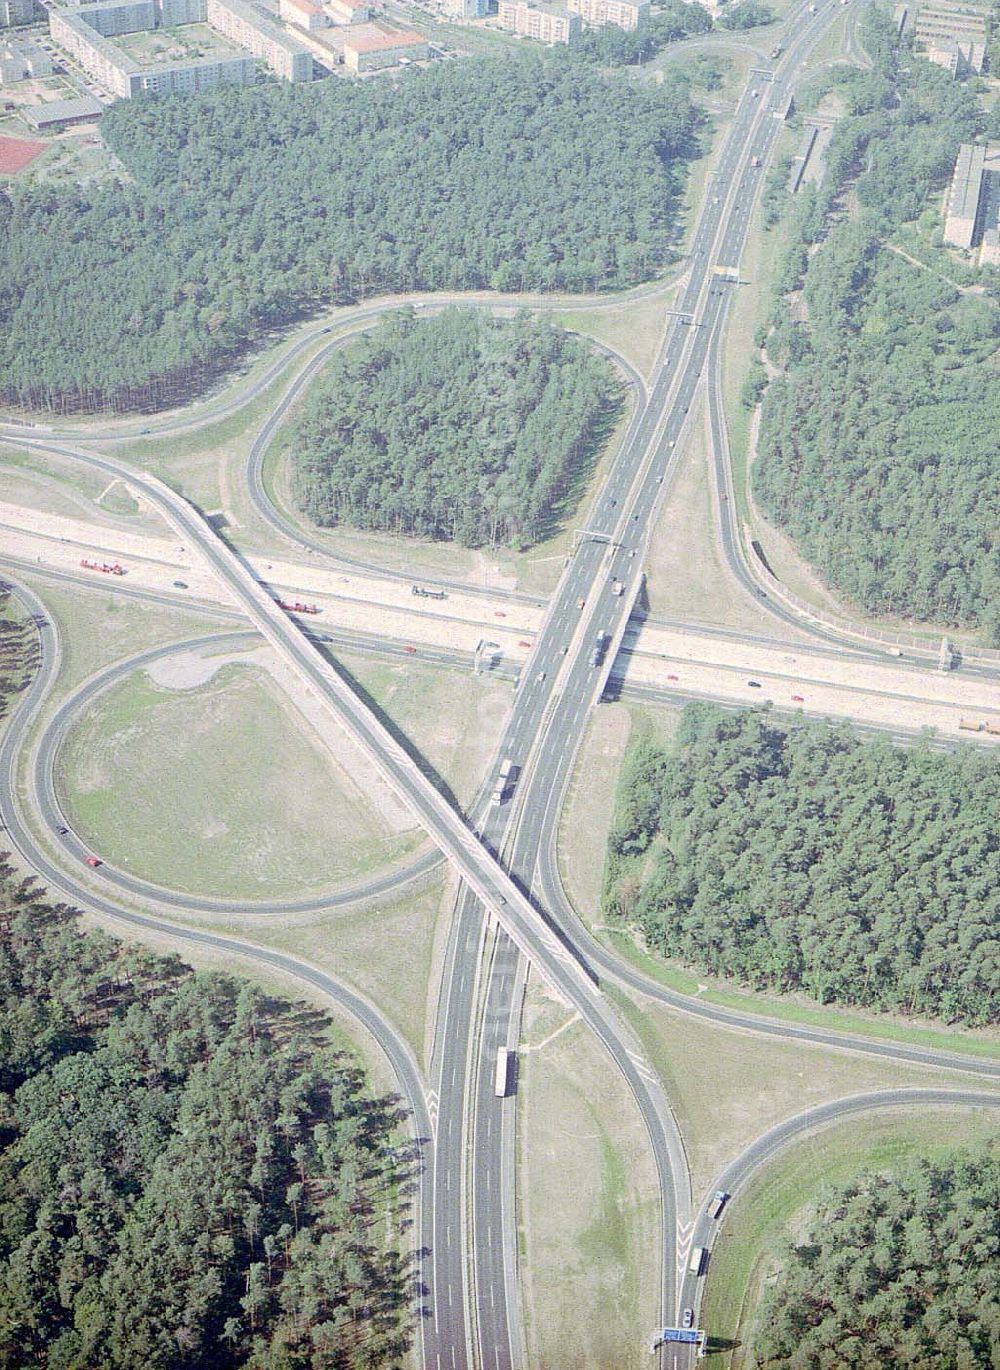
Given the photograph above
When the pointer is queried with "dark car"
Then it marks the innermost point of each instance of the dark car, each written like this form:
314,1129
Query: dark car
754,684
180,584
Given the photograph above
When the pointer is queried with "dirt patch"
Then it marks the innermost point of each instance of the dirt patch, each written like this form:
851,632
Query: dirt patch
188,670
17,153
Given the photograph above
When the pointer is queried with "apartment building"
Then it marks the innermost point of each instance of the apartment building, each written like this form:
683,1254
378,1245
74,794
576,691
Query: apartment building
305,13
959,58
107,64
942,21
536,19
624,14
16,12
465,9
85,33
249,28
110,18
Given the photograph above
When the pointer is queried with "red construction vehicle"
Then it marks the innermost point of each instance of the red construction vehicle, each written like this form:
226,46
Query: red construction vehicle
109,568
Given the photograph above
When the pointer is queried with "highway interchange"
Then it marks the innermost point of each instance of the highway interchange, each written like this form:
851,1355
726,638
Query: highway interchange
465,1131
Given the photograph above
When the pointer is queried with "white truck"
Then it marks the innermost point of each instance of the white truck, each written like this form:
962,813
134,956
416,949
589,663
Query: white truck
505,778
502,1073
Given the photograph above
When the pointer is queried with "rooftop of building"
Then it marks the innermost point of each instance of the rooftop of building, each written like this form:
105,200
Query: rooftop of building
84,10
55,111
544,7
371,38
963,199
263,23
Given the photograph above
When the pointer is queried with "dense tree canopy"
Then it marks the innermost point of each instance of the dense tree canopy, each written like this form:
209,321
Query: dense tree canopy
189,1177
245,208
746,14
810,860
459,427
895,1270
878,444
612,46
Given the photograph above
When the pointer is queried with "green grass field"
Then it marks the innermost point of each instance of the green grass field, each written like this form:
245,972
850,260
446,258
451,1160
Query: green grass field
218,790
587,1203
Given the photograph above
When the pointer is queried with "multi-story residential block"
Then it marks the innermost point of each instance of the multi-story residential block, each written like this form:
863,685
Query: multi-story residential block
249,28
170,13
960,57
112,68
16,12
624,14
466,9
112,17
305,13
536,19
85,32
941,20
368,47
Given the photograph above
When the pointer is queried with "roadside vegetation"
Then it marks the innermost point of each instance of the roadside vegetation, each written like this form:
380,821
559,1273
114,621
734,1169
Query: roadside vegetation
462,428
611,46
894,1269
19,652
877,442
250,207
190,1176
807,860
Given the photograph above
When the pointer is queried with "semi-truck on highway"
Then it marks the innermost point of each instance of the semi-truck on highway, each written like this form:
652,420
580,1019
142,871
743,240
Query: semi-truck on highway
506,777
295,606
719,1202
502,1073
109,568
697,1259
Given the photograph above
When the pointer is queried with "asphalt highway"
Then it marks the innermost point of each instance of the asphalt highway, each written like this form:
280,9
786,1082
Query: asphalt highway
493,886
553,699
585,612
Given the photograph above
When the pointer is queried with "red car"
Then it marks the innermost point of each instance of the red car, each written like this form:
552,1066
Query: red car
411,650
798,699
673,677
93,861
